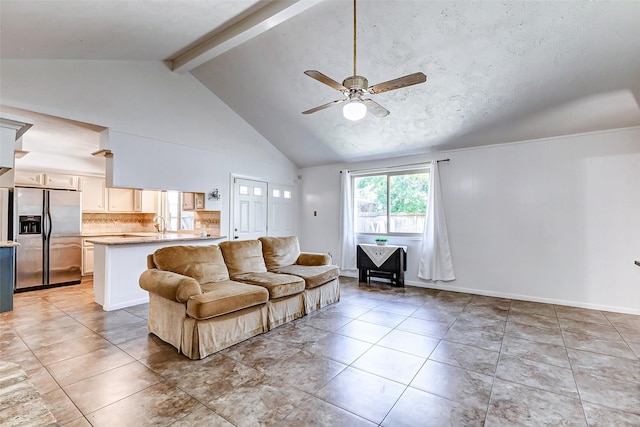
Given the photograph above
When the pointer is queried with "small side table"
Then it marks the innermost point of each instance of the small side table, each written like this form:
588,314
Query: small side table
392,268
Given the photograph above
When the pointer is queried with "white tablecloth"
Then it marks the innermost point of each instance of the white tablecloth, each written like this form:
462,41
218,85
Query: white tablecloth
379,254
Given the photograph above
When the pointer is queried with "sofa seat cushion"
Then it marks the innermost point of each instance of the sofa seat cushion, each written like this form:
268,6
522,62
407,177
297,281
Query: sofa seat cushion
243,256
278,285
225,297
203,263
280,251
313,275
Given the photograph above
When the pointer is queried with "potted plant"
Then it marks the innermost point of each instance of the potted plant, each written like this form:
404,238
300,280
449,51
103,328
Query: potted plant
381,241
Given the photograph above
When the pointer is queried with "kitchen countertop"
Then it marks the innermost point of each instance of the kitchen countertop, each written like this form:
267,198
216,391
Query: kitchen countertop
141,238
8,244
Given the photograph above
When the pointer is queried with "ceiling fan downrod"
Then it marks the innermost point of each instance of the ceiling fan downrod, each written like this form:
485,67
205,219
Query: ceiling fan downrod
354,38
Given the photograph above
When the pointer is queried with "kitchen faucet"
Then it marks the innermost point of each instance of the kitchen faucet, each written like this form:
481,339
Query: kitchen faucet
160,226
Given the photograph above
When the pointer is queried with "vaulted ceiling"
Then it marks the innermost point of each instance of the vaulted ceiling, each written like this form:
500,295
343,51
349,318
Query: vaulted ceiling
497,71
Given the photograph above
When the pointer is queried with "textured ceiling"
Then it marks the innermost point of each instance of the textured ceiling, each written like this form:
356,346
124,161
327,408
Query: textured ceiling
109,29
497,71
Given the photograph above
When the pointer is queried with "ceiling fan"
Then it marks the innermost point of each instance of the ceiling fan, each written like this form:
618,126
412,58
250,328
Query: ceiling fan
356,87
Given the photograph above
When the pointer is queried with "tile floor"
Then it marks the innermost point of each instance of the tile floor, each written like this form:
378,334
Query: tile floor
381,356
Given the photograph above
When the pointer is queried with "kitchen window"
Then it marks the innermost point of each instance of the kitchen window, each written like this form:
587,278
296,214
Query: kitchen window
393,203
177,218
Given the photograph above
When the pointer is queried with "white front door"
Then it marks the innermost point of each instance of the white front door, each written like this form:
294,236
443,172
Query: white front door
249,209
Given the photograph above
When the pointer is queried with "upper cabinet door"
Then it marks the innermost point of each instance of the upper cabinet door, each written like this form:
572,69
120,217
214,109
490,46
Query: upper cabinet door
93,194
66,182
121,200
188,201
198,200
150,199
29,178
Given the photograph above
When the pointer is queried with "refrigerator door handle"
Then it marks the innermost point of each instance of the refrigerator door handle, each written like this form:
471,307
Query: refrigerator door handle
47,223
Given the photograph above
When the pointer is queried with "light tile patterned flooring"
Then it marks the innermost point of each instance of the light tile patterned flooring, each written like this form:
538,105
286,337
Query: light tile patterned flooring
381,356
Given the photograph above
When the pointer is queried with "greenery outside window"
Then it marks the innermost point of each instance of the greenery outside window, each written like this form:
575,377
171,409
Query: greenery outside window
393,203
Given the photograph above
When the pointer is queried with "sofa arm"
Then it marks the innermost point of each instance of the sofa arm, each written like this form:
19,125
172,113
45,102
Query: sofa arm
169,285
308,258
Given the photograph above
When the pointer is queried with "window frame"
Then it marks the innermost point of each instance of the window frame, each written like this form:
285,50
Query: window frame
388,174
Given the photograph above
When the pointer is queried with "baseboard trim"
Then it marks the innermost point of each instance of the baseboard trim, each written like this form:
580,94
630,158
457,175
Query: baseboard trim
443,286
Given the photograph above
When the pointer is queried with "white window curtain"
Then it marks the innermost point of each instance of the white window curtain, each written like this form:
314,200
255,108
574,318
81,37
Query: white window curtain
347,237
435,256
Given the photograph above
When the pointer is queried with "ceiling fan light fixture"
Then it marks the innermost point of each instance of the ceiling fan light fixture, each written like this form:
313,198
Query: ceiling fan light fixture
354,110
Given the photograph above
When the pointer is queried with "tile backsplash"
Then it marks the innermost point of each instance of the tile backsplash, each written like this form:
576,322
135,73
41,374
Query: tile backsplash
118,223
207,220
97,223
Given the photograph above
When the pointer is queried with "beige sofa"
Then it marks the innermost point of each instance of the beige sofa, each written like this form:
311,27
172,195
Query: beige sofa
203,299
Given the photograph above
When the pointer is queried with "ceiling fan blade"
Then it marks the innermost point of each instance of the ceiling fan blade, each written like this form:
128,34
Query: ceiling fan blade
374,108
398,83
323,106
324,79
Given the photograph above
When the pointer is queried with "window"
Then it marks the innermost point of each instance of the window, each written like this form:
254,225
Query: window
176,217
391,203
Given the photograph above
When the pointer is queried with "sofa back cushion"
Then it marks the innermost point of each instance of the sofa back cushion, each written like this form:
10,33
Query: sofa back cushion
280,251
243,256
203,263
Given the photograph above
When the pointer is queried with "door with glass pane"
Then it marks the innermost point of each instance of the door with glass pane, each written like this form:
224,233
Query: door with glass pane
281,211
249,209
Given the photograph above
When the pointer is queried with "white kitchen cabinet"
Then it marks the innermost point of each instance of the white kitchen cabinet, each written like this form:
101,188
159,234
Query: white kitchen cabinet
137,200
48,180
61,181
94,194
148,201
121,200
87,258
96,197
28,178
145,201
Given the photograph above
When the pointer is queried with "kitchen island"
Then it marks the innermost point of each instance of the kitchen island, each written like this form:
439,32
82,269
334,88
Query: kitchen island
120,260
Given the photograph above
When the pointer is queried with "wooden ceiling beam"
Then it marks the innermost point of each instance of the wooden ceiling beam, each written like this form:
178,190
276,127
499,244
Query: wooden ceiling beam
256,23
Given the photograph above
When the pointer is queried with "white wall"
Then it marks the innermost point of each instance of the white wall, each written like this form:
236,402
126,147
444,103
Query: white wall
552,220
166,130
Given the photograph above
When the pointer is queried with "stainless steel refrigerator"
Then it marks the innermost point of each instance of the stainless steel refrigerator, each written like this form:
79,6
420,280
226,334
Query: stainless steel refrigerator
47,225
